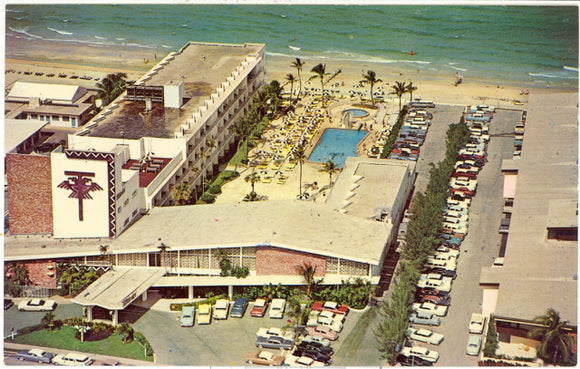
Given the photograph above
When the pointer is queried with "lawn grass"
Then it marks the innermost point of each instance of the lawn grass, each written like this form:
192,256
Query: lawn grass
358,348
64,338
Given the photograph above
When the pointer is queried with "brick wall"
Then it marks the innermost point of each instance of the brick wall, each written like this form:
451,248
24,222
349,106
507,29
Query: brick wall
29,194
42,273
278,261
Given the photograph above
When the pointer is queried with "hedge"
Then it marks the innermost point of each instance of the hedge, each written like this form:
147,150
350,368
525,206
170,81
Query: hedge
211,300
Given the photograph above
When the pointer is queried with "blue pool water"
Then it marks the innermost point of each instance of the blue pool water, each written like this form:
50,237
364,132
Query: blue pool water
357,113
336,145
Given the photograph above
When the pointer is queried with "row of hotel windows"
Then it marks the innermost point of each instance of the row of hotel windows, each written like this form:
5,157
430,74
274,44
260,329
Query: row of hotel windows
207,259
55,118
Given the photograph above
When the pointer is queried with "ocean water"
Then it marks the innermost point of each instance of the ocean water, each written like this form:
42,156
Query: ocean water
527,44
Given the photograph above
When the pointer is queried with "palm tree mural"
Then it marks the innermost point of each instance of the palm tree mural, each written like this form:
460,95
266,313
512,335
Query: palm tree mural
330,168
111,86
298,64
399,89
556,344
410,88
371,79
291,79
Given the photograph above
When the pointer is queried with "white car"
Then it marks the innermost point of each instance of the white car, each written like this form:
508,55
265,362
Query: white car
447,256
317,339
420,352
36,305
221,309
476,323
274,331
72,359
446,250
326,318
277,308
424,335
435,281
473,345
445,264
430,308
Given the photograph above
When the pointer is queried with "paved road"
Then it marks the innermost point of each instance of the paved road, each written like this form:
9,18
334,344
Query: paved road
20,319
480,246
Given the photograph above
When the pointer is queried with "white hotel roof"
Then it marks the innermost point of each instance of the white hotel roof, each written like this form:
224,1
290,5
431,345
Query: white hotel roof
50,91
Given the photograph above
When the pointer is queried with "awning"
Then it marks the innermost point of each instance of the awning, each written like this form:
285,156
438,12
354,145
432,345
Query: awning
118,288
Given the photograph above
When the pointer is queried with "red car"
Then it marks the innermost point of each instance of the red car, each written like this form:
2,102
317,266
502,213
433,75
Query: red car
331,306
260,306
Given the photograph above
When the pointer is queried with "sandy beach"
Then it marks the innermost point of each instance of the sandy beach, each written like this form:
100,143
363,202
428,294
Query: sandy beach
24,56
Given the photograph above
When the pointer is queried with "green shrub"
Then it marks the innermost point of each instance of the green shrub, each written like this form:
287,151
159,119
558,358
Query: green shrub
491,341
30,329
71,322
388,147
208,198
215,189
211,300
240,272
141,340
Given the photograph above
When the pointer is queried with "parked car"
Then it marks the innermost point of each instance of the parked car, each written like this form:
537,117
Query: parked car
424,335
204,314
264,358
420,352
72,359
331,306
275,331
259,308
432,291
327,318
187,314
444,272
322,331
435,299
239,307
316,346
448,250
277,308
412,361
221,309
315,355
36,305
418,317
430,308
8,304
473,345
302,361
317,339
36,355
275,342
436,281
476,323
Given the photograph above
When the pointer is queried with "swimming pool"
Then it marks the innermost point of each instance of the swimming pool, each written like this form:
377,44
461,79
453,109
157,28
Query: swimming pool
337,145
357,113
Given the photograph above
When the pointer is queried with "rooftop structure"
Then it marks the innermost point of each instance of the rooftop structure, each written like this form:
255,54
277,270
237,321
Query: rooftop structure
541,265
200,69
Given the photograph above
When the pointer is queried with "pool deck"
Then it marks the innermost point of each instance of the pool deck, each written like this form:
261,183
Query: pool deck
314,181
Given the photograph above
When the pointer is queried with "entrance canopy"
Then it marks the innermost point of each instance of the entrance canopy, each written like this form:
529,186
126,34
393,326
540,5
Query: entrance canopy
118,288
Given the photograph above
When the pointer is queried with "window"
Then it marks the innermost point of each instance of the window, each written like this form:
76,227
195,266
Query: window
55,118
134,212
33,116
73,120
65,118
134,194
126,222
119,209
126,202
42,118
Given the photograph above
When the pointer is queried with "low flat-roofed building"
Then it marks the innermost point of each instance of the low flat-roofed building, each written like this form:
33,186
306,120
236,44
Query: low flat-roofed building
56,104
540,268
270,238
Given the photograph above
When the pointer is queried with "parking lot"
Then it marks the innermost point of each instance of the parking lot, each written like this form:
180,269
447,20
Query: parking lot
481,245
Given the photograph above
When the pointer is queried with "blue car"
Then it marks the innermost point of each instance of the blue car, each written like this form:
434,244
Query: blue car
239,308
36,355
424,318
275,342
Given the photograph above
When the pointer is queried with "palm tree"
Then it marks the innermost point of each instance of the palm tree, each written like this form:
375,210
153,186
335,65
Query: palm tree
163,248
181,193
308,271
371,79
112,86
330,168
103,251
252,178
556,344
291,79
298,314
298,64
299,154
242,129
410,89
399,89
320,72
